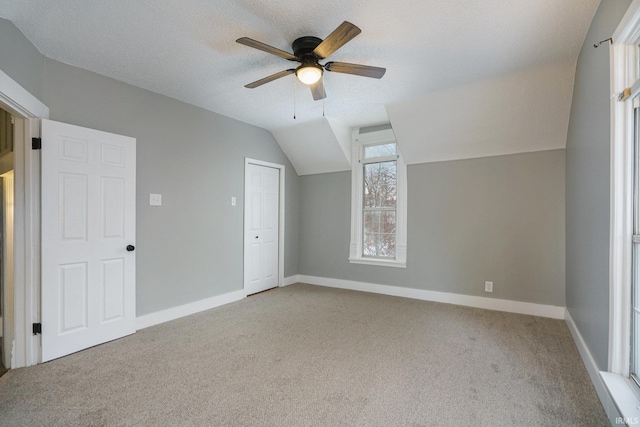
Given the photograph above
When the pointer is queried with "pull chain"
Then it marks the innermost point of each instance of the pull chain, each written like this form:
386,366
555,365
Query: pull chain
324,94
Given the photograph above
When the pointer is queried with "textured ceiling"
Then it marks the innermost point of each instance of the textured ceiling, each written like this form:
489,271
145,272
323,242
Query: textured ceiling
186,49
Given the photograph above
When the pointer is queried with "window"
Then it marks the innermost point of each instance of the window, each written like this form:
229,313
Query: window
379,212
634,369
624,331
378,209
624,358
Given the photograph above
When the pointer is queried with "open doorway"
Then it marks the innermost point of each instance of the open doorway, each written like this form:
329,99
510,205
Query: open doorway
26,110
7,135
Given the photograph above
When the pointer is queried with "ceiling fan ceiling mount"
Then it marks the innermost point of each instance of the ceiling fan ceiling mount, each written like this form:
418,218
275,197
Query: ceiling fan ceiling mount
308,50
304,46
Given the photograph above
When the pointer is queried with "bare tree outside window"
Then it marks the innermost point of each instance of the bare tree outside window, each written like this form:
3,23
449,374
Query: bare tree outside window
379,214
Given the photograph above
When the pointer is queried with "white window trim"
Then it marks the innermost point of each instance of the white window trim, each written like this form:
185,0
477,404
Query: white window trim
358,142
623,74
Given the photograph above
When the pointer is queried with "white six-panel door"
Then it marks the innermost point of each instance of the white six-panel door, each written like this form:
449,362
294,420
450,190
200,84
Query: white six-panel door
262,197
88,222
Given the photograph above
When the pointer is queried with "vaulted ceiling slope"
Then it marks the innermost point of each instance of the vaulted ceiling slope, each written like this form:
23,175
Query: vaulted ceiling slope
465,78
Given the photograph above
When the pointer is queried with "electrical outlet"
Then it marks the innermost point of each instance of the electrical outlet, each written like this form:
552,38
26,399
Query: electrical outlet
488,286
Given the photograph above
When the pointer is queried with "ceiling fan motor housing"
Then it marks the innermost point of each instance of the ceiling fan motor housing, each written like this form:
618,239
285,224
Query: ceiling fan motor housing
304,46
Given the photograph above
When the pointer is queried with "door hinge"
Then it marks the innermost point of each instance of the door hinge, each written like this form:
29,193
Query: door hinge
37,328
36,143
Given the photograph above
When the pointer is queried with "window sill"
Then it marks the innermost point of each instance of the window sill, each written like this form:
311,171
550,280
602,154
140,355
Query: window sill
624,396
378,262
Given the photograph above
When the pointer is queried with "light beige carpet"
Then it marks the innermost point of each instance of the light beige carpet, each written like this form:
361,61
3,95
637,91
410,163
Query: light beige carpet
312,356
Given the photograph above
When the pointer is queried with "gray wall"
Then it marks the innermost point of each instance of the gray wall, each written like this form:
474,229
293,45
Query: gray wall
19,59
587,199
191,247
495,218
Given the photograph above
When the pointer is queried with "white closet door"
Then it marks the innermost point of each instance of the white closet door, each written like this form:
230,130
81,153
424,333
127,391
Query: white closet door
262,197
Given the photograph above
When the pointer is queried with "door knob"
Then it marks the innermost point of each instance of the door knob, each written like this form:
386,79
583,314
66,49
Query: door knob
131,248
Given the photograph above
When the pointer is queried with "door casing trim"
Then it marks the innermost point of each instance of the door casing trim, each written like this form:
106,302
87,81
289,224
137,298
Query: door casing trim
22,104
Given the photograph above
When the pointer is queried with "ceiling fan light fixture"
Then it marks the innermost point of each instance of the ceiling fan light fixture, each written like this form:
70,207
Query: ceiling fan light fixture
309,73
308,50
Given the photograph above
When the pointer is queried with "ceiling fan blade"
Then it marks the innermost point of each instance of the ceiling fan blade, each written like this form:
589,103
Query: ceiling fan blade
266,48
317,90
334,41
357,69
270,78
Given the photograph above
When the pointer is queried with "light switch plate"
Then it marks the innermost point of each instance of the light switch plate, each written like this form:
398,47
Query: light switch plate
233,201
155,199
488,286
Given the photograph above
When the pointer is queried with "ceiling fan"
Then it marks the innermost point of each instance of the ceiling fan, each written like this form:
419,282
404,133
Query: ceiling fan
309,51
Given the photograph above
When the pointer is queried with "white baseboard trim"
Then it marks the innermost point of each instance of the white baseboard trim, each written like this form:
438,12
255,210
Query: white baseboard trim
173,313
541,310
594,373
290,280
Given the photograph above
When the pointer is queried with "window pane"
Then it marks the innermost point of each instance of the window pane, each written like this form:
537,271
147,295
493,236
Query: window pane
635,291
387,196
380,184
379,233
370,187
379,216
379,245
371,222
387,245
635,344
388,222
370,245
638,62
380,150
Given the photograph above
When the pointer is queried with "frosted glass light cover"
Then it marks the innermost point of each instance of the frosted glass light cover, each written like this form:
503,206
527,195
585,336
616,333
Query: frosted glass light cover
309,75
